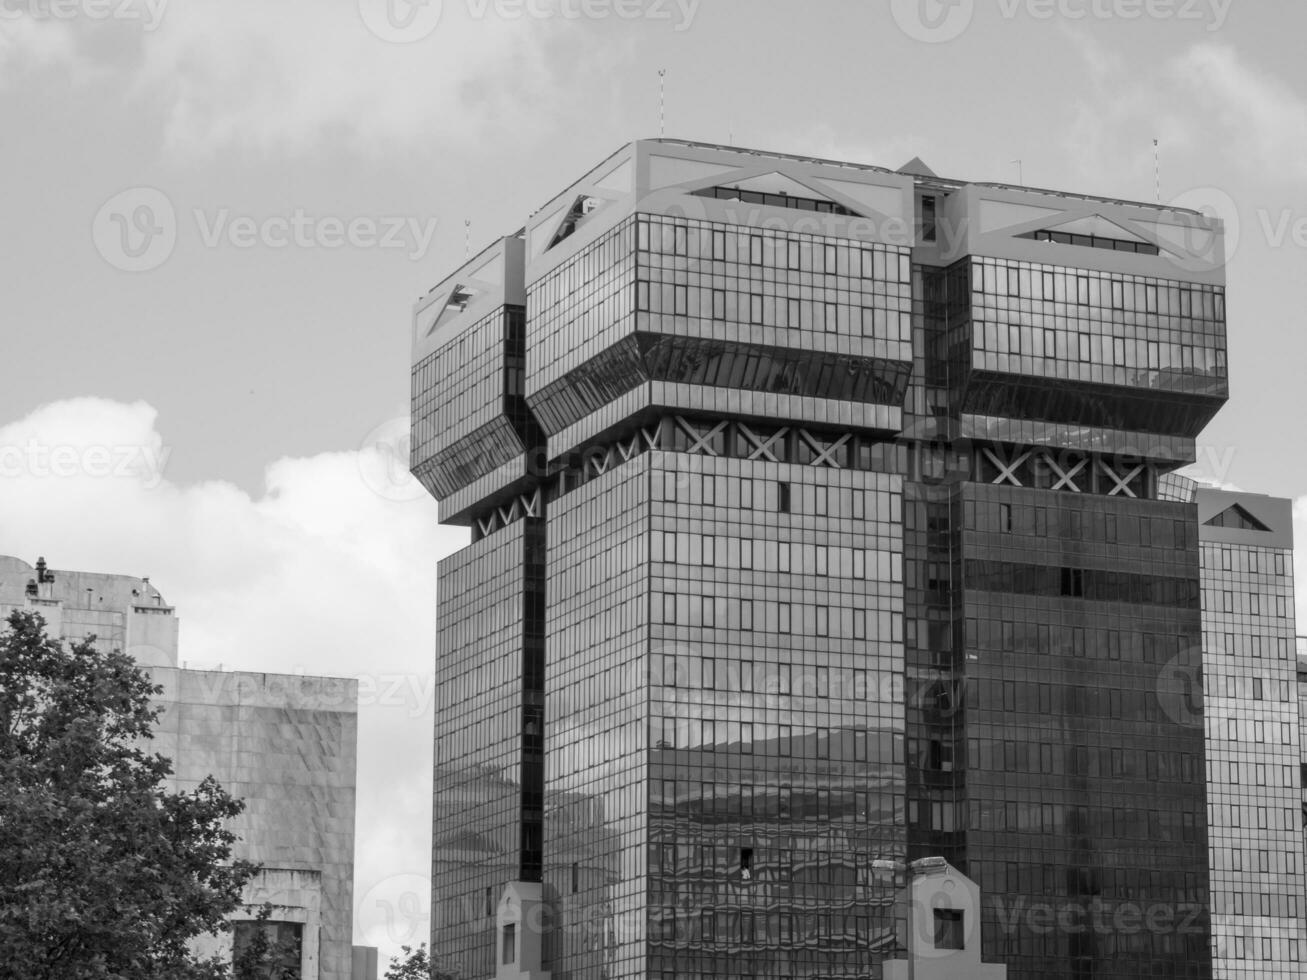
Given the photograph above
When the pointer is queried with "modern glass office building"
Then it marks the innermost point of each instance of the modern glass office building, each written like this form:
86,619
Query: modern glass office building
820,524
1250,712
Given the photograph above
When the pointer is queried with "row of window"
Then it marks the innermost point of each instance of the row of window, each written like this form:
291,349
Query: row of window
1255,562
775,200
766,929
1259,646
759,309
782,497
1249,688
709,612
1265,948
1232,773
1098,585
1093,241
1030,876
770,249
1072,522
1252,730
1118,823
1229,900
697,862
692,672
1093,348
1076,700
995,755
1031,519
716,551
1053,284
1263,861
757,738
1175,945
1257,604
1024,636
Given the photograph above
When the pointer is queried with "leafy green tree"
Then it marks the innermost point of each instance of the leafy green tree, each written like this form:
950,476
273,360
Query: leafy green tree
104,873
264,957
416,964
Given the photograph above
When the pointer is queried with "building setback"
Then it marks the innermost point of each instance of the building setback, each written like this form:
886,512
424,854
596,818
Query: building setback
819,527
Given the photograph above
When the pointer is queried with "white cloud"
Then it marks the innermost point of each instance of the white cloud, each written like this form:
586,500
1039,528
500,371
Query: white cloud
1208,97
263,76
1263,121
321,575
28,43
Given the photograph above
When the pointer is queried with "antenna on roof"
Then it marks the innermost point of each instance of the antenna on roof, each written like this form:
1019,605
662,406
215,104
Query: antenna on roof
1021,178
467,238
1157,169
662,102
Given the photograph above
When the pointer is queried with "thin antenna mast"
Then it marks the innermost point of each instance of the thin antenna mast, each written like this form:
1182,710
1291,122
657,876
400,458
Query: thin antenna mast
662,102
467,238
1021,174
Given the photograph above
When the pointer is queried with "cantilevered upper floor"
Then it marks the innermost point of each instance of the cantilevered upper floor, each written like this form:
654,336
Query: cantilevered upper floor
742,284
472,431
690,279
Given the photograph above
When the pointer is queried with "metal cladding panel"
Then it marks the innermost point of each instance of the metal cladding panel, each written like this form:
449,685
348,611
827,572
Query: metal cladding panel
1274,514
991,220
492,279
663,176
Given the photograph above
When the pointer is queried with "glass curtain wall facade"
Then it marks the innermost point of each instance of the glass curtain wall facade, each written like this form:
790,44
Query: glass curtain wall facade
1054,596
1251,717
472,441
856,551
725,613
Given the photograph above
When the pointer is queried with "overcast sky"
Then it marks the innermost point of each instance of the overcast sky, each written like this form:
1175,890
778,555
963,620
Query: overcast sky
216,214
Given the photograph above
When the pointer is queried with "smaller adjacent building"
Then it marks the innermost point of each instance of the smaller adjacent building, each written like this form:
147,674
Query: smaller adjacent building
365,963
1249,703
944,923
1301,645
285,744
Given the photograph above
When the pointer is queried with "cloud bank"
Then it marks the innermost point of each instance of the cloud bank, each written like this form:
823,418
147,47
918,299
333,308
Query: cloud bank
330,571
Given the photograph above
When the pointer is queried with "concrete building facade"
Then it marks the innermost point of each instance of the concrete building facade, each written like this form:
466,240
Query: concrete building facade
285,744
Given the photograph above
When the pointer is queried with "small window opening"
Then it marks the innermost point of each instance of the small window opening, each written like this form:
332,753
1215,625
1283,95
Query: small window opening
948,929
